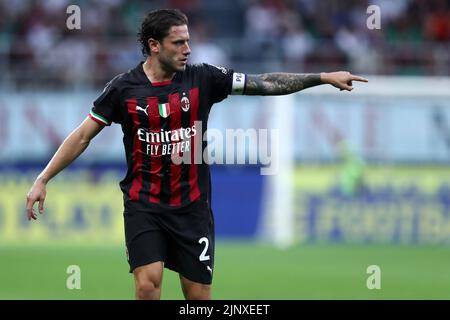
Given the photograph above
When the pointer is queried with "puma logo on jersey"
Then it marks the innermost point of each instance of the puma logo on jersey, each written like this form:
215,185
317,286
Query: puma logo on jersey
138,108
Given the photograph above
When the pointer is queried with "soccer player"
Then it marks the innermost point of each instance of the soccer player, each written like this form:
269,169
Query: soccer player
163,106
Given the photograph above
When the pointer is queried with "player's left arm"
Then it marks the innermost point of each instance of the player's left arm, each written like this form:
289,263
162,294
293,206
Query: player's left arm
272,84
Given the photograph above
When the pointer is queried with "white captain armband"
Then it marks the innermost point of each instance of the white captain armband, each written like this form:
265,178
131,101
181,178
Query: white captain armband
238,83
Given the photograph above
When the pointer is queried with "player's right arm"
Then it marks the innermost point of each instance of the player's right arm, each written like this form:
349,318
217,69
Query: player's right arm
69,150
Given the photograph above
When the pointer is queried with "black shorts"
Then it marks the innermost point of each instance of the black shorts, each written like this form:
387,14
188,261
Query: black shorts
183,239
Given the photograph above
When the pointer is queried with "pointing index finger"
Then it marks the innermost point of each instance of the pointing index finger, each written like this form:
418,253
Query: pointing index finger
358,78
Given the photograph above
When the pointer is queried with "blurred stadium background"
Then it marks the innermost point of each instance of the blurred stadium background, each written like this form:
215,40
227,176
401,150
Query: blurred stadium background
364,176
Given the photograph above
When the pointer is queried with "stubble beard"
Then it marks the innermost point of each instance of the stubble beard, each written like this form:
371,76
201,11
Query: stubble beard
171,65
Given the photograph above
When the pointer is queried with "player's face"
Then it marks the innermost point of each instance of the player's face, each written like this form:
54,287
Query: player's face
174,49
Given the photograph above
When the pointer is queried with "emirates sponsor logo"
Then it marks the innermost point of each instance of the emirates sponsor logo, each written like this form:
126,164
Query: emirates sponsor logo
192,145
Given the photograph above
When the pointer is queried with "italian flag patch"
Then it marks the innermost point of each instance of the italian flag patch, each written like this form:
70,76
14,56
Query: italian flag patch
164,109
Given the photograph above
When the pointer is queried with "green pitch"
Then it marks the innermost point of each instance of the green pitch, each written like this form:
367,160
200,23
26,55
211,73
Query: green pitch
242,271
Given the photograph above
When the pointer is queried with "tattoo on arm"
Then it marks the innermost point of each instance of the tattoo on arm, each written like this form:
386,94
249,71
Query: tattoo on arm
272,84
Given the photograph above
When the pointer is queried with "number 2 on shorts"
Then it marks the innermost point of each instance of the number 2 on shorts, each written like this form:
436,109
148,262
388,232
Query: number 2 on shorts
203,256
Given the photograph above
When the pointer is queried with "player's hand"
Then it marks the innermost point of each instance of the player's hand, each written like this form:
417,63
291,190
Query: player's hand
341,79
37,193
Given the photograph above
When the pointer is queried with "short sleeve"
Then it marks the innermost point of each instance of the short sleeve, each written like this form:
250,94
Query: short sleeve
106,106
223,81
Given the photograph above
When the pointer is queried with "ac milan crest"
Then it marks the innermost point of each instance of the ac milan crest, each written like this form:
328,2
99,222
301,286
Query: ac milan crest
185,104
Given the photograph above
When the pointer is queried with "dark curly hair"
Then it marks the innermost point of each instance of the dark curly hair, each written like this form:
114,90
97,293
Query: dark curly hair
156,25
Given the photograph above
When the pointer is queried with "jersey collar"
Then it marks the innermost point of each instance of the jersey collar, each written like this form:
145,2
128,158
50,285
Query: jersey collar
143,77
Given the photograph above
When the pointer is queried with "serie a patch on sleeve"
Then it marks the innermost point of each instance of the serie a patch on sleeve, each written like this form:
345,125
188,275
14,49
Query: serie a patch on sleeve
238,83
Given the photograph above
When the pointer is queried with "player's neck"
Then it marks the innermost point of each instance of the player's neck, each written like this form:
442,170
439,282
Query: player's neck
155,72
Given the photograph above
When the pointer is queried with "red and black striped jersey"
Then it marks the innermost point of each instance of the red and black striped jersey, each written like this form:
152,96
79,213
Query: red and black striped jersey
163,125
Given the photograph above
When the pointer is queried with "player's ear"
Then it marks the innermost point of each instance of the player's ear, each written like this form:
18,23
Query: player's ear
153,45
